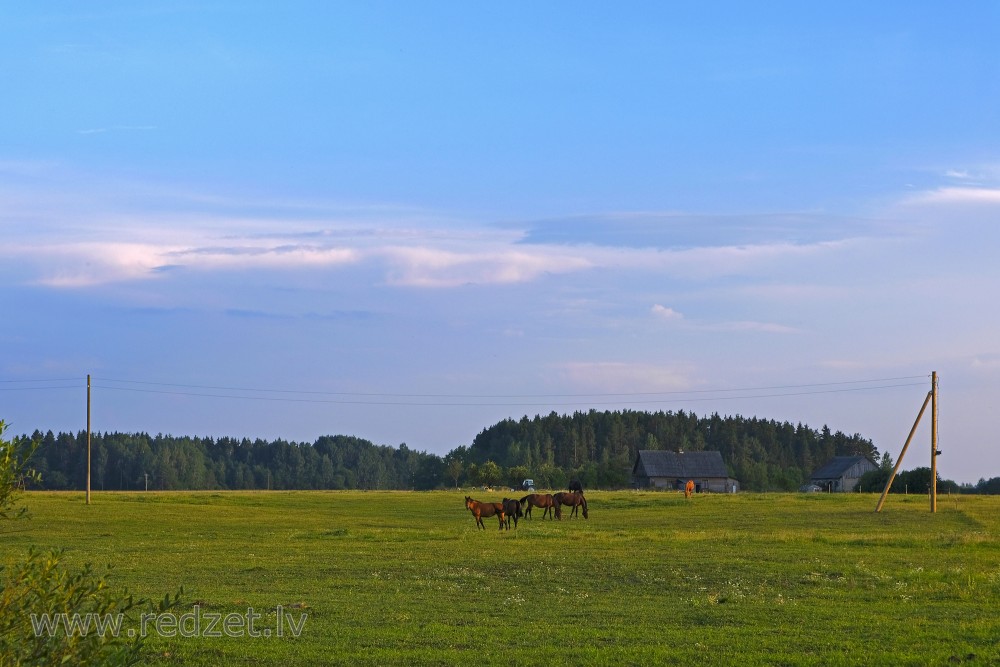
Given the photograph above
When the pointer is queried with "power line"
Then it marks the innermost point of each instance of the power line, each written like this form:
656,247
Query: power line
45,380
676,398
491,396
473,400
68,386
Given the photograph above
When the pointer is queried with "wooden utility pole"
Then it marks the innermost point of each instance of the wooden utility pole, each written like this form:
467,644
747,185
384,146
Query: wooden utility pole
934,440
899,461
88,438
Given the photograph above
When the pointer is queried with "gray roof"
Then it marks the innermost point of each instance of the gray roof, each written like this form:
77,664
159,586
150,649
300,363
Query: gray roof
838,465
659,463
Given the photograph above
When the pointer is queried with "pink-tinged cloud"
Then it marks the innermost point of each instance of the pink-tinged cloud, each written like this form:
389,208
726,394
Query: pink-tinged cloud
433,267
958,195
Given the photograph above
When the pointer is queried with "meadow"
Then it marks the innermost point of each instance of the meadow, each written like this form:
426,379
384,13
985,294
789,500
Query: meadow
404,578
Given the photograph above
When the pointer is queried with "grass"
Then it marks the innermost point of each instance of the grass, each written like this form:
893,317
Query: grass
397,578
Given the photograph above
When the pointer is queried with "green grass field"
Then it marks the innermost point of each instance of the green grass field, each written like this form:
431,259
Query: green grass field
650,578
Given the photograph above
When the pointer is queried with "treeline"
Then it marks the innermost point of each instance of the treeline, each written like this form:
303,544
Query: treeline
918,481
596,447
130,461
599,448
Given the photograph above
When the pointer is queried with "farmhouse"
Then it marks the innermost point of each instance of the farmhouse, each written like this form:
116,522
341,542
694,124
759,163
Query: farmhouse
671,470
841,473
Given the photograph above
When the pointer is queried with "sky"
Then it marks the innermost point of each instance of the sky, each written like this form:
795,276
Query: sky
408,221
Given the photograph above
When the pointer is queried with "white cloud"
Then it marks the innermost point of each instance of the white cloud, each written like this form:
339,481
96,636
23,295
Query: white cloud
666,313
986,363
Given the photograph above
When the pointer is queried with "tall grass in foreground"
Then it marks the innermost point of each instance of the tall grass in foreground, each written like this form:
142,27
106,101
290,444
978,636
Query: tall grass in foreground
406,578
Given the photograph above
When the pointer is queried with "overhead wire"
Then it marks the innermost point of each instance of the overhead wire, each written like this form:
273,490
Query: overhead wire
616,398
473,400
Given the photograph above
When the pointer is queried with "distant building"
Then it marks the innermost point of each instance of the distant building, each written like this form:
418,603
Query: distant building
841,473
659,469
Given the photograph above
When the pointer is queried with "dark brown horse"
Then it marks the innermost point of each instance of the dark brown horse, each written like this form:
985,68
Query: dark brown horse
479,510
543,500
512,509
571,499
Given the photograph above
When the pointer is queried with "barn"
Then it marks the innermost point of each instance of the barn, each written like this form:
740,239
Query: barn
660,469
841,473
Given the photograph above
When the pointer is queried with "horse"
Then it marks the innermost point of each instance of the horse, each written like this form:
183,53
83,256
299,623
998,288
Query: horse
574,500
543,500
512,510
689,488
575,485
479,510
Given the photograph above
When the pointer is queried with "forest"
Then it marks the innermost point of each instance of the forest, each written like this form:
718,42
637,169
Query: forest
596,447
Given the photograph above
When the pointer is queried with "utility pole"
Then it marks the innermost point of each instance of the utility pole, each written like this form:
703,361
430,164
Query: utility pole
934,440
88,438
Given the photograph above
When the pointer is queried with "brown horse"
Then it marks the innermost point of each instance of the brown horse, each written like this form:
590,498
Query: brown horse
512,509
689,488
479,510
543,500
571,499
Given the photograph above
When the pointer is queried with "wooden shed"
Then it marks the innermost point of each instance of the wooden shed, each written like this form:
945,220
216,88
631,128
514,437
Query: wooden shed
671,470
841,473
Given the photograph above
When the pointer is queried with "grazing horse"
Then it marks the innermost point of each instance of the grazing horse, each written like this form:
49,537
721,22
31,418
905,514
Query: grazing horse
512,510
689,488
574,500
479,510
575,485
543,500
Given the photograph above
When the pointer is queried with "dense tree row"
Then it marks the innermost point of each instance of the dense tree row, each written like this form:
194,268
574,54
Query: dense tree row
139,461
598,448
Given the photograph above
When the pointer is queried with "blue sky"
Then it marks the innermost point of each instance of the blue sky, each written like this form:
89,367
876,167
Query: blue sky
406,221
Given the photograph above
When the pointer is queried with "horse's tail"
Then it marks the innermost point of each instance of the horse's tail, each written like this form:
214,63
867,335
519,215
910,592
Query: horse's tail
525,499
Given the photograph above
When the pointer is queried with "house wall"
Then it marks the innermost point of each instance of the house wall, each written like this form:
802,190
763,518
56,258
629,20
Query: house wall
710,484
654,482
848,480
853,475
